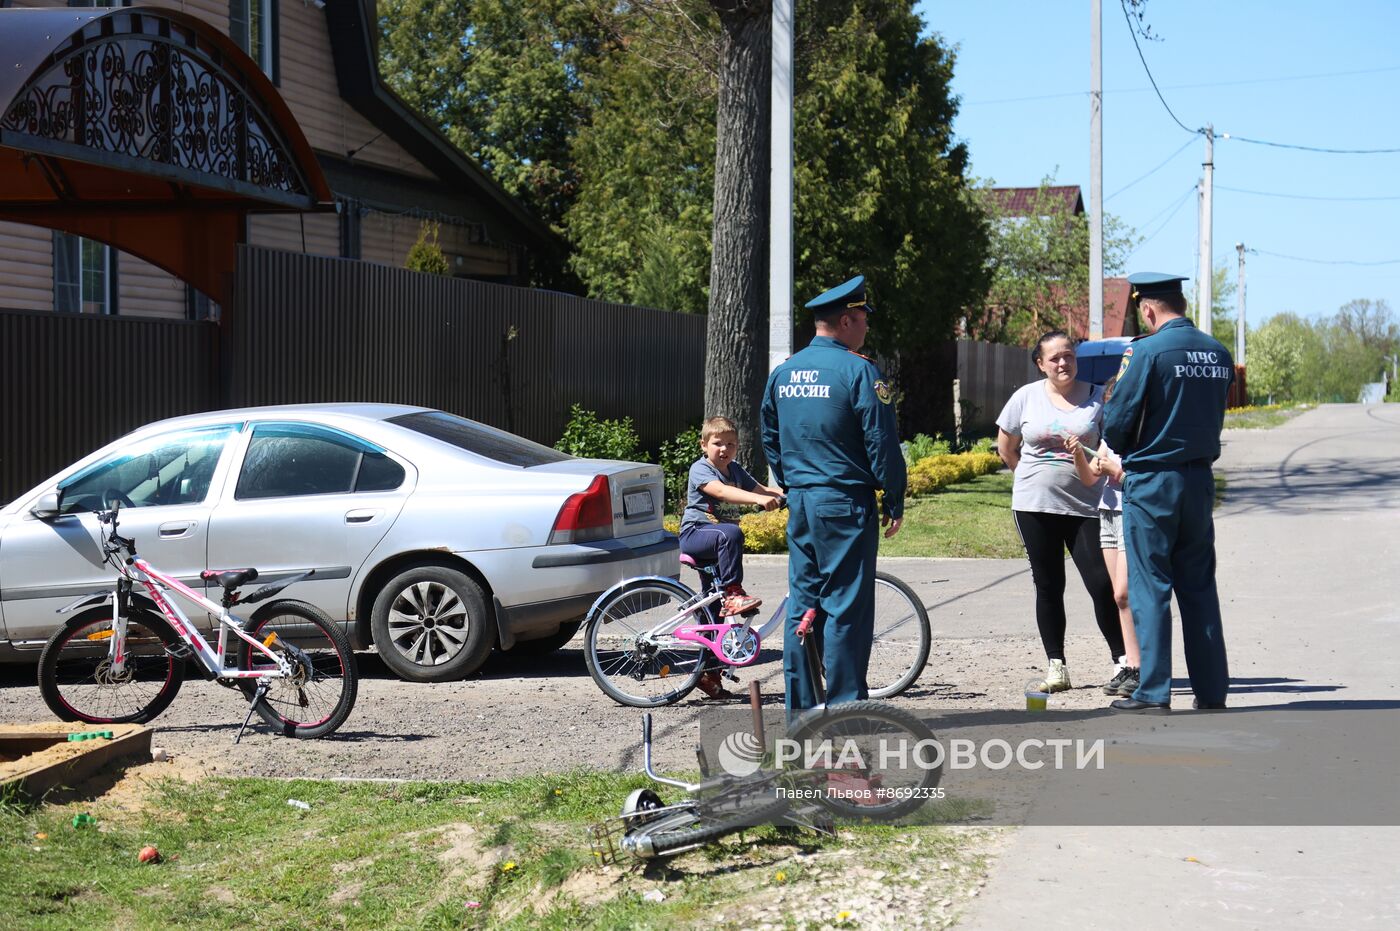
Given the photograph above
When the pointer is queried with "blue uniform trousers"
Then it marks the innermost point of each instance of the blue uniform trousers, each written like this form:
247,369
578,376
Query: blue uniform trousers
833,536
1171,546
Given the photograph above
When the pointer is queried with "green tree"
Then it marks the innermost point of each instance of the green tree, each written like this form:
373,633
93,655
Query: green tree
880,184
1039,266
507,81
1276,351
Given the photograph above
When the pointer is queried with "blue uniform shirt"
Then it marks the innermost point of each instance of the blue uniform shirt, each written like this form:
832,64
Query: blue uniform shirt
1169,404
828,421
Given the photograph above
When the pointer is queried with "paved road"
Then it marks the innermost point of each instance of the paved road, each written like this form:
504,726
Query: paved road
1308,562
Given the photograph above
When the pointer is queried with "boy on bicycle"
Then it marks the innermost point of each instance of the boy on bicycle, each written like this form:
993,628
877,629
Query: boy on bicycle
718,487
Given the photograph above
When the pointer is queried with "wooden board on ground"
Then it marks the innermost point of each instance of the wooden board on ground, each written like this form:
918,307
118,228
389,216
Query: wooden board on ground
35,758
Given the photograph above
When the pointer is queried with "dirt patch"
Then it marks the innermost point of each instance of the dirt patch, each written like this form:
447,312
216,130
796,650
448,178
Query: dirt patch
17,762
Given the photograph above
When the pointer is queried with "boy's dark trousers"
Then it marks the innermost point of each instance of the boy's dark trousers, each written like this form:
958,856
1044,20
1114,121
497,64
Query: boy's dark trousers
722,544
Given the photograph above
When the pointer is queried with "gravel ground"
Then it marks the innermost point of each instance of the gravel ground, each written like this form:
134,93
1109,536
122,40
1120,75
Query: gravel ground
521,717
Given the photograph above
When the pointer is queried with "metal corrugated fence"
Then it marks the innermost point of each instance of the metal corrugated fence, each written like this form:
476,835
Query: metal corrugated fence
73,382
307,329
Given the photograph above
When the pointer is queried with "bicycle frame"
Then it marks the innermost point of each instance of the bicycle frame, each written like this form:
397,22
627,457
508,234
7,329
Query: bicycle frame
674,626
156,583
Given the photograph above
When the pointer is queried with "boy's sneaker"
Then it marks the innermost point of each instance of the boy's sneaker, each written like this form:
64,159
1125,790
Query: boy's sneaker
1125,683
1057,678
738,601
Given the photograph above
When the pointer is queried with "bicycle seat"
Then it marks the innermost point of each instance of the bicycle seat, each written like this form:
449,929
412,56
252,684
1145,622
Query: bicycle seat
688,560
229,578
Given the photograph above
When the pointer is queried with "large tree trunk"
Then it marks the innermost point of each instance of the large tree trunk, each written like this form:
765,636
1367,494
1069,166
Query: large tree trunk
736,350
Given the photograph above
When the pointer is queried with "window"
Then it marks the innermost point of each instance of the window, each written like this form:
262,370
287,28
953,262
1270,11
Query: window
84,275
253,25
294,460
198,306
97,3
479,438
174,468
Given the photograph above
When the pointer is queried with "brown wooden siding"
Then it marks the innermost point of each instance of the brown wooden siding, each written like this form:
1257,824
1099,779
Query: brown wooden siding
285,231
308,86
386,239
26,267
146,291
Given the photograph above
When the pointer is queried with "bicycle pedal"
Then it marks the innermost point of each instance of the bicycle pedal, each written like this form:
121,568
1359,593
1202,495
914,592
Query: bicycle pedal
729,674
180,651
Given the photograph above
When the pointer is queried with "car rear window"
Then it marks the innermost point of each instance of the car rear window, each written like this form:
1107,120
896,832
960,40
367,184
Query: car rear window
479,438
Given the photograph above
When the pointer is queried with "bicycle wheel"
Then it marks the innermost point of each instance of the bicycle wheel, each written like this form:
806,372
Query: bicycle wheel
76,678
636,670
875,753
320,693
680,831
902,638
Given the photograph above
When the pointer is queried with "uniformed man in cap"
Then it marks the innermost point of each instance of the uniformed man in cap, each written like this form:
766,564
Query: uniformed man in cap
830,436
1164,420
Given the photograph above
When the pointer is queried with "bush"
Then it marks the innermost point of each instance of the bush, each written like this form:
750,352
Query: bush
934,472
588,437
675,457
765,531
425,255
985,445
922,446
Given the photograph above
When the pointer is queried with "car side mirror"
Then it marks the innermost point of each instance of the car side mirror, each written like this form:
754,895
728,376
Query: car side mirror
48,505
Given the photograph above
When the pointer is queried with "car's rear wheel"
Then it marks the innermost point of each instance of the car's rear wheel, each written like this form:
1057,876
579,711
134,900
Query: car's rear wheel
431,624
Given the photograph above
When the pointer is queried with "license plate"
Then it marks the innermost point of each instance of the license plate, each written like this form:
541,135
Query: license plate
638,504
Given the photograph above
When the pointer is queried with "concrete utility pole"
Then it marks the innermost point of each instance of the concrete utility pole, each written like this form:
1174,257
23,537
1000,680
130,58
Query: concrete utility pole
1239,320
780,198
1096,170
1203,309
1200,216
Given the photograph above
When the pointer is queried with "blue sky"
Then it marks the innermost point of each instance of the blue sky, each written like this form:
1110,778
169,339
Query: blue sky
1265,63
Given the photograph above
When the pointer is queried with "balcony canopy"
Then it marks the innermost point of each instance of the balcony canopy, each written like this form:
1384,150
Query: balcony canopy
149,130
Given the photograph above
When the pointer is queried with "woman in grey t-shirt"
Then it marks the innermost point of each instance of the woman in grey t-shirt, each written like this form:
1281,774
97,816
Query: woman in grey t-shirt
1052,508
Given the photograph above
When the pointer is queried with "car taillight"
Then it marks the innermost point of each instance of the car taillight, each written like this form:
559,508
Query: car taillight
586,515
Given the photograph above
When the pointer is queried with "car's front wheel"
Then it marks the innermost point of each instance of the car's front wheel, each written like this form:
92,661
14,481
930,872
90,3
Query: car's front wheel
431,624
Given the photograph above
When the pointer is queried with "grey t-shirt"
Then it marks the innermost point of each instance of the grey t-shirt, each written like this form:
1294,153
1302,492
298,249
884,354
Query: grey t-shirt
700,508
1045,479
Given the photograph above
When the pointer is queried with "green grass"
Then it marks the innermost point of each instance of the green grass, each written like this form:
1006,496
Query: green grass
970,519
1262,418
401,856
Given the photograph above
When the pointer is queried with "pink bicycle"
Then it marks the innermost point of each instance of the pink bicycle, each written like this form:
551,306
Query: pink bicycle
123,657
649,639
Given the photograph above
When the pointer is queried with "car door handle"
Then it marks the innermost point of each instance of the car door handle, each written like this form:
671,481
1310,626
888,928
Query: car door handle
363,516
177,529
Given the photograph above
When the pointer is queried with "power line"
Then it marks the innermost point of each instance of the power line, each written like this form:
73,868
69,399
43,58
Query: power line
1177,204
1310,148
1240,190
1150,173
1175,87
1299,258
1133,32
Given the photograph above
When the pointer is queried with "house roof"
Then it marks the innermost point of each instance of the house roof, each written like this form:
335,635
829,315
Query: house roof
351,24
1020,201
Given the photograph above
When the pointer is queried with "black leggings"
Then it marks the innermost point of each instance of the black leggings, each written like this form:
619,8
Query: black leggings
1045,537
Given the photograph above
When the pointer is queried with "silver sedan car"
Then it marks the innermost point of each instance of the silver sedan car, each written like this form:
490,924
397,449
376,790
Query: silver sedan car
434,537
